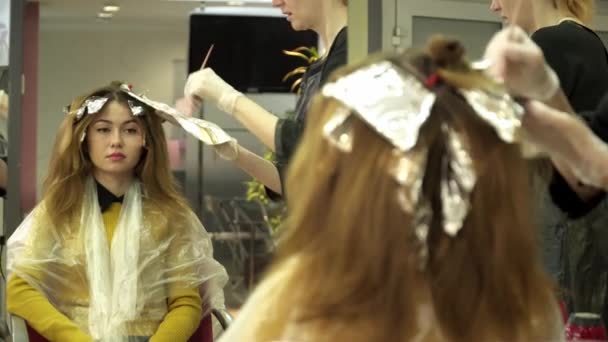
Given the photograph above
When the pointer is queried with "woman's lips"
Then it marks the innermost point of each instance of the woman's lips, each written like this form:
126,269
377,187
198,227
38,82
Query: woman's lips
116,156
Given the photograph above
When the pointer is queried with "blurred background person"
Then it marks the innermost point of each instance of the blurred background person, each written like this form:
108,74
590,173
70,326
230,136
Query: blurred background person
328,18
581,265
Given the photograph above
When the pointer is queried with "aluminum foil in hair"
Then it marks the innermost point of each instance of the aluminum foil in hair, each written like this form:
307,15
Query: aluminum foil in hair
396,105
136,109
422,226
393,103
499,110
408,171
458,179
205,131
95,104
338,129
92,105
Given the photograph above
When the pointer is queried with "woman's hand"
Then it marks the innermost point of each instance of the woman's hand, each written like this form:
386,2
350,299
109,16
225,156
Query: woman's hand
206,85
518,62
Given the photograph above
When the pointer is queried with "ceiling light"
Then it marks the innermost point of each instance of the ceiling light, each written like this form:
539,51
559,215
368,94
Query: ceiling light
238,10
111,8
235,3
104,15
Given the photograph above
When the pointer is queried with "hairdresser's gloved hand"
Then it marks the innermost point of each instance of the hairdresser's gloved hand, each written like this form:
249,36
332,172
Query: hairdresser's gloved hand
518,62
228,151
207,85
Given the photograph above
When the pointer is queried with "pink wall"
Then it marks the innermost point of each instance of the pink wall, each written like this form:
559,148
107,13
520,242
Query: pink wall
29,114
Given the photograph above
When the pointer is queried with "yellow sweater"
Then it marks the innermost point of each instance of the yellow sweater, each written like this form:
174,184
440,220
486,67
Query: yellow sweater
181,321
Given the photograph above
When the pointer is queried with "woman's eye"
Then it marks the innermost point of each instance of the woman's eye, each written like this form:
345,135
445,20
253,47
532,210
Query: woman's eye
104,130
131,130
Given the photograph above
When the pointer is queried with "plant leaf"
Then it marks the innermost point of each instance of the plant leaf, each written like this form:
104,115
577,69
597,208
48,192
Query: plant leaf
296,71
303,49
296,54
296,84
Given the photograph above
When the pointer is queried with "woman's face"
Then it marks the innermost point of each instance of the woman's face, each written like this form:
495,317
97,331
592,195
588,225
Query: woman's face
302,14
515,12
115,141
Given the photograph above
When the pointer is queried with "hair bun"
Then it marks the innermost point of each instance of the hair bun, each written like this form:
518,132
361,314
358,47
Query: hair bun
445,52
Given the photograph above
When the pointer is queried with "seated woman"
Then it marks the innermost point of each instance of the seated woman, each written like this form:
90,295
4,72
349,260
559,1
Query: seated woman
112,252
413,218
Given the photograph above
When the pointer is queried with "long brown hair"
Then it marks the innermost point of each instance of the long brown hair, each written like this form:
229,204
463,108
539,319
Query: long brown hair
70,164
357,257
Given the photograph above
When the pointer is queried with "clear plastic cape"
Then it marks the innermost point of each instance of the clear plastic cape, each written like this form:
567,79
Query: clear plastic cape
112,291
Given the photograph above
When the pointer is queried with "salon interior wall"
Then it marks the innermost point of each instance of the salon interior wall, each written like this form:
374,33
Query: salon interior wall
470,20
75,58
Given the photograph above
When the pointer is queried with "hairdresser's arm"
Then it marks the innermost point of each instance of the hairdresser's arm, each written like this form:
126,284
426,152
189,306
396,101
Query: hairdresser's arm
256,166
578,154
206,85
257,120
520,64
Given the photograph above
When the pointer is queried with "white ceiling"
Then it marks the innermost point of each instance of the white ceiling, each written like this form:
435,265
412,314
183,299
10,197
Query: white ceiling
164,10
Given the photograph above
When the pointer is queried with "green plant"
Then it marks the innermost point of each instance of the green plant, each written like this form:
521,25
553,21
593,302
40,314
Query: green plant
256,191
308,54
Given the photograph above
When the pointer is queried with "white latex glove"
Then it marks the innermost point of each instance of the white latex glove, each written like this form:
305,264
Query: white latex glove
228,151
518,62
207,85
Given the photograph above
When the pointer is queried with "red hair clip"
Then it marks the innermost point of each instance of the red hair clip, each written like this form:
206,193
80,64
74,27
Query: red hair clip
432,80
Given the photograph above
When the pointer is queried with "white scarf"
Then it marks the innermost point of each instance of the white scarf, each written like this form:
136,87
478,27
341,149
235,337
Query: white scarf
112,272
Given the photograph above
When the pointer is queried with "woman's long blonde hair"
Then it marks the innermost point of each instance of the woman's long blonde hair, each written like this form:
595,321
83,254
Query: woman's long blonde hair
357,258
584,10
70,164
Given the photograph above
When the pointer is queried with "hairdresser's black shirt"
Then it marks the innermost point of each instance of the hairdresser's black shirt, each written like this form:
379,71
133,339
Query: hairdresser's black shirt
566,199
599,121
289,131
580,60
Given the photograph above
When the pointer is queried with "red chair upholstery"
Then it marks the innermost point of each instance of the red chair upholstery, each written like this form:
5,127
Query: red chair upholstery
33,335
564,310
204,333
